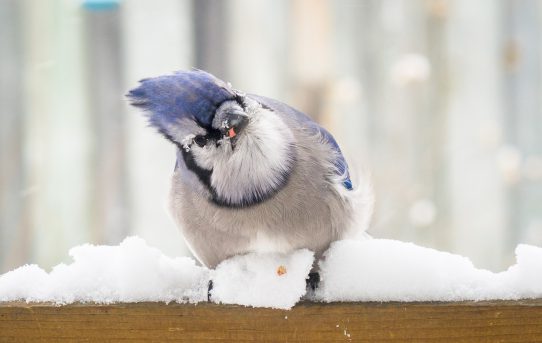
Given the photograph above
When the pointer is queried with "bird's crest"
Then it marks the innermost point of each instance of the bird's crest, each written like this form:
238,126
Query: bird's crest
185,94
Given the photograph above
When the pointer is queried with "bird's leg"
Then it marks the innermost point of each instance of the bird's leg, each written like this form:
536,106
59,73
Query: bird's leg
209,289
313,280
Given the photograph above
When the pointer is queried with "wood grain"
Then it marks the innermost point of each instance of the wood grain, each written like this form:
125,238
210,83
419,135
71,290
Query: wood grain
501,321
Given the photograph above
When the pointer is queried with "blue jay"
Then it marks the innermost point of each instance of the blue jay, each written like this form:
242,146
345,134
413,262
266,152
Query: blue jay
252,174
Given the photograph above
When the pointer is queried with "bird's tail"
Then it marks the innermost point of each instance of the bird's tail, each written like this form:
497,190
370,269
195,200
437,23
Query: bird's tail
361,200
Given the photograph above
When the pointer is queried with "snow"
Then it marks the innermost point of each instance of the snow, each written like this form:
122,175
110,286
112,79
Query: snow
352,270
253,279
387,270
129,272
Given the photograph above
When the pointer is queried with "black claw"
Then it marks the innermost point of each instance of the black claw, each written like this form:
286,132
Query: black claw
313,280
209,289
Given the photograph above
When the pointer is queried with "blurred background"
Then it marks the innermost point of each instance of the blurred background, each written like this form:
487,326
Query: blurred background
439,99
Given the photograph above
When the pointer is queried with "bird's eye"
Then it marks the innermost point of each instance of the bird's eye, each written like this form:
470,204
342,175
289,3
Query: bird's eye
200,140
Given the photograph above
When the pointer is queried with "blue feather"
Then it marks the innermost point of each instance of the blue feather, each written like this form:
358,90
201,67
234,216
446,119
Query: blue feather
196,95
340,162
186,94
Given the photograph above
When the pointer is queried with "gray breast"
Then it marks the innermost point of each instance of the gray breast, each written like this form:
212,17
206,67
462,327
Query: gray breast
307,212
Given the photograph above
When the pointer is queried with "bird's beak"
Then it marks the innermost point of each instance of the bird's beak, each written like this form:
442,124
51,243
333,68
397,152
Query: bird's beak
234,124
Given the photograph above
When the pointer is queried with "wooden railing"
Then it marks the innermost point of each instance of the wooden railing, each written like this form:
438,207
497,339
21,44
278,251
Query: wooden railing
495,321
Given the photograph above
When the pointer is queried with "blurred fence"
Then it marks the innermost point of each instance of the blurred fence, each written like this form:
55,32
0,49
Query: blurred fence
441,100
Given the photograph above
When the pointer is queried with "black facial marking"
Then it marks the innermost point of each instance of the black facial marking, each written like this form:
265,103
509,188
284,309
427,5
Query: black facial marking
200,141
203,175
241,101
213,134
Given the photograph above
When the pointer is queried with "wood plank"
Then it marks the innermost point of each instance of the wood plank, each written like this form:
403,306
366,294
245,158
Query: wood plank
495,321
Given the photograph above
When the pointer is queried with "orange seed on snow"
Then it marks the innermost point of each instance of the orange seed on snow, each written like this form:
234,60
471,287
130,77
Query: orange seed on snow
281,270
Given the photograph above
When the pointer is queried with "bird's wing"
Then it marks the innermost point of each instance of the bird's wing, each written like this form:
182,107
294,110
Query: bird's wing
339,161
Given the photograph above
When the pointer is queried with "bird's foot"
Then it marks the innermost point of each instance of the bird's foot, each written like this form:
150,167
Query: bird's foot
209,289
313,281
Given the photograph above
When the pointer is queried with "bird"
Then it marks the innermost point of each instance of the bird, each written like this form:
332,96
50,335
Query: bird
252,174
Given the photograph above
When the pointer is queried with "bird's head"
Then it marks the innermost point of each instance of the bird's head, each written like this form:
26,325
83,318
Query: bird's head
240,151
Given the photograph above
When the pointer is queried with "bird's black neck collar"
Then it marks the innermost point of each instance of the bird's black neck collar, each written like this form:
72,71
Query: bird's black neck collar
204,176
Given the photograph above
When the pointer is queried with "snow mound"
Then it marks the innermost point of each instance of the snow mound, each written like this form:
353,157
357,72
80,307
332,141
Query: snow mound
368,270
129,272
263,280
387,270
